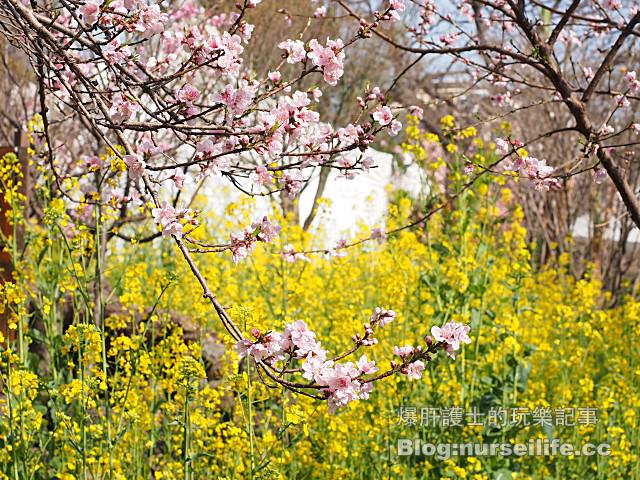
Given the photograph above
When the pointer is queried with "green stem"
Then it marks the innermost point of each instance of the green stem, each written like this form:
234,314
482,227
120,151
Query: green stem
185,430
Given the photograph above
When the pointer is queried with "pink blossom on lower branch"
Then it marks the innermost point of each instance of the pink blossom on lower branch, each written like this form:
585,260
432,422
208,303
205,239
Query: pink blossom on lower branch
378,234
415,369
451,334
340,383
342,386
291,256
381,317
366,366
188,94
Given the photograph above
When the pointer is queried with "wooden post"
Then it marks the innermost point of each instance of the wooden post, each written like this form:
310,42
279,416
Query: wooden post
6,264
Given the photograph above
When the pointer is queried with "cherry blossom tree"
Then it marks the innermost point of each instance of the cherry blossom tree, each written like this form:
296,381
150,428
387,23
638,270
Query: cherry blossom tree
163,88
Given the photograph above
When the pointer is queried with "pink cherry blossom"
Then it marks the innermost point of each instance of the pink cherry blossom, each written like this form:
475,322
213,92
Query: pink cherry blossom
240,247
174,228
330,59
634,83
94,163
164,215
349,134
395,128
275,77
316,368
365,366
267,231
622,101
607,129
502,146
415,369
276,344
403,352
261,231
452,334
316,93
90,11
398,5
296,52
291,256
450,38
599,174
122,108
261,176
378,234
381,317
384,116
136,165
320,12
238,100
537,171
243,347
365,389
114,52
367,163
169,219
293,182
342,386
151,20
416,111
188,94
303,339
588,72
178,179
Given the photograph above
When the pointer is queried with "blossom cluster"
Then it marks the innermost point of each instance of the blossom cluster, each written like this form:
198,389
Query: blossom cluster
261,231
329,59
452,334
632,81
232,123
537,171
170,219
343,382
448,338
